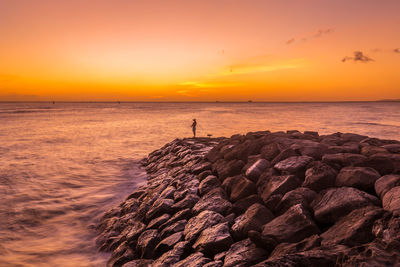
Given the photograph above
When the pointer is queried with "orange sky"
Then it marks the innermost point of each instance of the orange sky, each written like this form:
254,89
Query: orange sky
204,50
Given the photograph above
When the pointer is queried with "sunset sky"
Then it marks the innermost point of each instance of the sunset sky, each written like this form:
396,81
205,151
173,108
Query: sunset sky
208,50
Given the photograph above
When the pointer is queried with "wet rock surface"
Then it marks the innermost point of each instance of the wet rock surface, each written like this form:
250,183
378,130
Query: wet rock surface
262,199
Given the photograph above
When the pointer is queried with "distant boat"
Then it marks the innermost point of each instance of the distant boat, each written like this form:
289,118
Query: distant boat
54,102
250,101
209,135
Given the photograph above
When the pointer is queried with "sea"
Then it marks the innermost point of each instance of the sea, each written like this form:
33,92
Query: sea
62,165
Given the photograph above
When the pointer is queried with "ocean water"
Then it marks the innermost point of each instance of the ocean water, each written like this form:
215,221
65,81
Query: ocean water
62,165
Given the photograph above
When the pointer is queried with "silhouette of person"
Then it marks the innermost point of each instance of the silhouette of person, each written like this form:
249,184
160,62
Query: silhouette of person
194,124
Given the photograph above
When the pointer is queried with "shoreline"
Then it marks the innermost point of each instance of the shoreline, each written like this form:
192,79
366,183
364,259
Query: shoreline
264,199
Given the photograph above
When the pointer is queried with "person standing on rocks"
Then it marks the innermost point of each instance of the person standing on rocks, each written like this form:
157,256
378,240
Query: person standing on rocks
194,124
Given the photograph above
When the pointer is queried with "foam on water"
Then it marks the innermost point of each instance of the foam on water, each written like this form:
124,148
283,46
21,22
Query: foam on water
63,165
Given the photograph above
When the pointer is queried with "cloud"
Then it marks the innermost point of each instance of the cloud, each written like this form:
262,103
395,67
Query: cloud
358,56
318,34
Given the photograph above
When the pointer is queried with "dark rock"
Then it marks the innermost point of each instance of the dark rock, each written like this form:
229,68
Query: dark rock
168,243
185,214
173,228
371,150
289,248
392,148
220,256
385,183
214,264
229,182
187,203
353,149
200,222
157,222
213,202
243,150
244,253
344,159
293,226
279,185
334,203
255,170
353,229
195,260
159,207
138,263
351,137
272,202
382,162
253,219
301,195
171,257
312,133
391,200
168,192
204,174
210,182
270,151
214,240
310,148
320,176
226,169
243,204
135,229
242,188
200,167
359,177
146,243
118,259
293,164
286,153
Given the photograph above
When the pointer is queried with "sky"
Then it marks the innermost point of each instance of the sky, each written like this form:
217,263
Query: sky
208,50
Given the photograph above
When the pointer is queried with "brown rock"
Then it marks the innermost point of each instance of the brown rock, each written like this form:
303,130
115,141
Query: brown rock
146,243
382,162
209,183
226,169
391,200
187,203
214,240
171,257
334,203
244,253
301,195
320,176
243,204
160,207
173,228
213,202
290,248
371,150
270,151
293,164
229,182
344,159
195,260
293,226
242,188
362,178
279,185
156,222
200,222
168,243
385,183
255,170
138,263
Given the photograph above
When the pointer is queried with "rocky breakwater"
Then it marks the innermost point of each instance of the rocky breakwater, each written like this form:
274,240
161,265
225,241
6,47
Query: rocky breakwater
262,199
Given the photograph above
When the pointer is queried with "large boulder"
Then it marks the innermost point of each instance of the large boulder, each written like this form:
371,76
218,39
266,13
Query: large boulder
255,170
293,226
228,183
213,202
301,195
320,176
391,200
147,241
270,151
168,243
243,254
226,169
385,183
242,188
138,263
253,219
279,185
290,248
310,148
173,228
340,160
187,202
214,240
384,163
362,178
171,257
243,204
161,206
332,204
209,183
200,222
293,164
353,229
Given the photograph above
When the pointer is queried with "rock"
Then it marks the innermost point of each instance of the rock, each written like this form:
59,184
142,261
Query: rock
284,154
118,259
242,188
195,260
371,150
310,148
353,149
200,222
392,148
272,202
387,228
185,214
200,167
293,164
351,137
213,202
382,162
173,228
168,243
255,170
391,200
159,207
187,203
362,178
209,183
293,226
214,264
340,160
220,256
244,253
301,195
320,176
168,192
243,150
385,183
214,240
146,243
279,185
270,151
226,169
135,229
138,263
353,229
253,219
334,203
229,182
243,204
157,222
204,175
289,248
171,257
